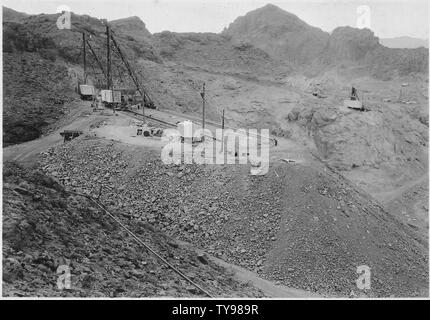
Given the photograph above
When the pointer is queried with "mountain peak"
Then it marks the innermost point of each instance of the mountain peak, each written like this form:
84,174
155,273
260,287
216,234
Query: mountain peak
134,26
268,19
273,15
265,26
270,6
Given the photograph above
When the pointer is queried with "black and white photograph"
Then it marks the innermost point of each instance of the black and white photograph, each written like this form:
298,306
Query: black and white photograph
196,150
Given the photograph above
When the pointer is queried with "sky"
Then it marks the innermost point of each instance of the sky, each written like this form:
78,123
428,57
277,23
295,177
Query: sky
388,18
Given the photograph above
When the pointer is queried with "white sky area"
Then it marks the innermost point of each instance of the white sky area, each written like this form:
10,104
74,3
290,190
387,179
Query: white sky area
391,18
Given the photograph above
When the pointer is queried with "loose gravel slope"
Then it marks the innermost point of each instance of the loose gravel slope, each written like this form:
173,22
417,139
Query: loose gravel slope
303,226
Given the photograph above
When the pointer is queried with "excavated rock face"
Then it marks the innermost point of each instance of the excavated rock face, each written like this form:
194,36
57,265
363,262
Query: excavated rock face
349,138
215,53
348,43
385,63
36,93
131,34
134,36
133,27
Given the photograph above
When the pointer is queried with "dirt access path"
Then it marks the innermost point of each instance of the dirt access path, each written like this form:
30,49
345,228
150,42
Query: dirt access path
285,149
28,151
267,287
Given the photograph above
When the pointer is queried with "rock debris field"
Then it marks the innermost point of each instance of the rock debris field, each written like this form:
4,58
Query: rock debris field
303,227
45,227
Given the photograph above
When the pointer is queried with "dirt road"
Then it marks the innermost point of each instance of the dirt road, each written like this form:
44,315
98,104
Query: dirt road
284,149
28,151
269,288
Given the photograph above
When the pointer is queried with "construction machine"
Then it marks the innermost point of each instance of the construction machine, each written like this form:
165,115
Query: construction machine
354,101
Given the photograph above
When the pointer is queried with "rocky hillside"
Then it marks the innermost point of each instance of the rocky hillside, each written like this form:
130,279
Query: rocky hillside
215,53
133,27
37,38
348,139
350,44
261,50
134,37
386,63
37,92
309,228
45,227
300,225
279,33
244,78
10,15
37,87
43,66
284,36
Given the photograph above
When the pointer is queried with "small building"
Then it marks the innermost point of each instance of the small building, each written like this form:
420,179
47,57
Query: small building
353,104
110,96
354,101
87,92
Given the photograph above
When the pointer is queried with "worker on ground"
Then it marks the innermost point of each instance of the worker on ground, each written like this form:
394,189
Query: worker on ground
354,94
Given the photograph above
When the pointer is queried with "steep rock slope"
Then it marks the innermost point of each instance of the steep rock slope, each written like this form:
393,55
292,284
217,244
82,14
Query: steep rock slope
350,139
37,92
132,26
45,227
169,88
235,75
299,224
281,34
43,67
37,86
134,35
214,52
386,63
346,43
284,36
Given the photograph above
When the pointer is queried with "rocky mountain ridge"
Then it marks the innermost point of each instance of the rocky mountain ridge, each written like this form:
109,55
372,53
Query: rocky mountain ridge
284,36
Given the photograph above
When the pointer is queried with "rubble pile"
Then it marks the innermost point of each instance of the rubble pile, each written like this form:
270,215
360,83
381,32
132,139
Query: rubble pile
304,228
45,227
193,203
